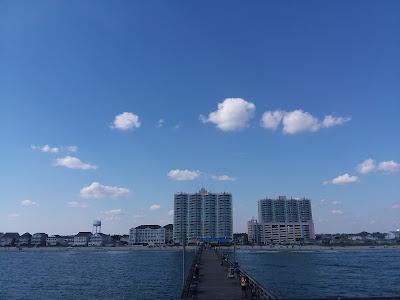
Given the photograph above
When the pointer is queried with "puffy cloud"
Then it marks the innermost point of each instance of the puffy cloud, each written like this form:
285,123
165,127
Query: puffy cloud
298,121
223,178
335,202
155,207
76,204
343,179
369,166
160,123
126,120
112,214
98,190
330,121
271,119
366,166
396,206
73,163
232,114
45,148
337,212
28,203
73,149
182,175
389,166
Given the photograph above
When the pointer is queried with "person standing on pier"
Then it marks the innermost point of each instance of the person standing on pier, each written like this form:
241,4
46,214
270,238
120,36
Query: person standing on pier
244,284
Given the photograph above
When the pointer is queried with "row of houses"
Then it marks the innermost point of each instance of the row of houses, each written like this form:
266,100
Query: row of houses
40,239
143,234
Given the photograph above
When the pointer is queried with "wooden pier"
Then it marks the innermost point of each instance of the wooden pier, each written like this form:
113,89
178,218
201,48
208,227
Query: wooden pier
213,282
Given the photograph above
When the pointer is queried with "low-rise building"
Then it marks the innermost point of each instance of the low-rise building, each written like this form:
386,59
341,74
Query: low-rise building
169,233
82,239
39,239
99,239
147,234
25,239
55,240
279,232
9,239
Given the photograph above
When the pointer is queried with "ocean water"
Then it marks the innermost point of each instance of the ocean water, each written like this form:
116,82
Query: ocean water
91,274
157,274
312,274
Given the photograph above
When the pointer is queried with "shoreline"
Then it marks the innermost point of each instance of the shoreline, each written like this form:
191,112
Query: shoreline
263,248
318,248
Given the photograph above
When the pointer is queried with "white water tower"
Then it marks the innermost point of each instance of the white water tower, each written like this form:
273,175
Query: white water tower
96,226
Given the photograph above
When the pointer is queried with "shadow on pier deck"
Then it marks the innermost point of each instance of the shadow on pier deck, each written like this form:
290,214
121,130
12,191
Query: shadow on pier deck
215,284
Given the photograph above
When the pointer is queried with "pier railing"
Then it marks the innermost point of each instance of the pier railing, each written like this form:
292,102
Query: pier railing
257,290
190,283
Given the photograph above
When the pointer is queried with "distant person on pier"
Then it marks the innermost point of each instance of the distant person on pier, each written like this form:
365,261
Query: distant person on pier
244,283
196,271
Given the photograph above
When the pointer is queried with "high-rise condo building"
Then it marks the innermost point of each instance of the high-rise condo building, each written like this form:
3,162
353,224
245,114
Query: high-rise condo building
284,210
282,220
202,216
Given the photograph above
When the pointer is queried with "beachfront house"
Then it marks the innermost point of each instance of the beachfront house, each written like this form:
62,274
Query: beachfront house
39,239
55,240
147,234
9,239
25,239
99,239
82,239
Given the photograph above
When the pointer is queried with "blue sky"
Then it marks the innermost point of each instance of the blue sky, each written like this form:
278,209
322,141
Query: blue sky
326,73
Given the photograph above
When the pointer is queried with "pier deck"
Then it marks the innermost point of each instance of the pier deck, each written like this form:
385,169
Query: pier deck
214,283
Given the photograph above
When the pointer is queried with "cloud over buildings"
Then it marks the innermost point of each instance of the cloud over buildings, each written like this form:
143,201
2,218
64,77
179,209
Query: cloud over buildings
232,114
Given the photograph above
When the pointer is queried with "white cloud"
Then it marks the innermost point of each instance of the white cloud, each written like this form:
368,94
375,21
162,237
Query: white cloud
28,203
335,202
73,149
45,148
396,206
337,212
155,207
271,119
182,175
13,216
330,121
76,204
126,120
171,212
73,163
223,178
298,121
160,123
367,166
97,190
343,179
232,114
112,214
389,166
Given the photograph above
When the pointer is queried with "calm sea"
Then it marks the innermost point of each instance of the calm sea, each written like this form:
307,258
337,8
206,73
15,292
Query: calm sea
311,274
91,274
157,274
